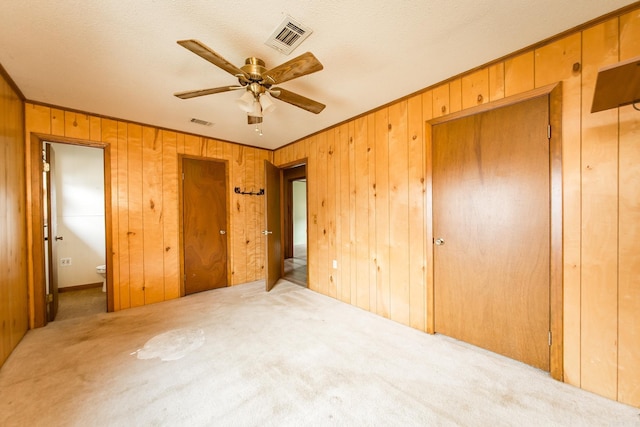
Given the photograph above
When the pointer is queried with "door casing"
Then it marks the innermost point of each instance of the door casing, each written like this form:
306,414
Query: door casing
554,92
181,157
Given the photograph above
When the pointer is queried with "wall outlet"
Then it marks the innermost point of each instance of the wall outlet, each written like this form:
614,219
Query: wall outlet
335,264
65,261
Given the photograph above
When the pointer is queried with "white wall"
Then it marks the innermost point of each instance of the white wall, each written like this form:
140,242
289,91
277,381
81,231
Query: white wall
299,213
79,175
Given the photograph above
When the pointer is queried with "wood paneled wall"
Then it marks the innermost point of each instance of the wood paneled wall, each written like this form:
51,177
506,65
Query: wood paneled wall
368,208
13,228
145,200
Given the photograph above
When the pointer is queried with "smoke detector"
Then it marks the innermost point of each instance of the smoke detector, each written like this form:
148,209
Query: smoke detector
288,35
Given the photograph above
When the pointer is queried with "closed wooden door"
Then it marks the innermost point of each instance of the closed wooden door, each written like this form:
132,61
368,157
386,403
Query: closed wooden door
491,222
52,233
204,213
273,232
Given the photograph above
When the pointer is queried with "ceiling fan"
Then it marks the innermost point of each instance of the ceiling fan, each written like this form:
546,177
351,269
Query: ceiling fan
257,81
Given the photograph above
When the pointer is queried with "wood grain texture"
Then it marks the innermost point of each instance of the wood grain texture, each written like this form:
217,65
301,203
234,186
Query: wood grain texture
518,74
417,219
152,215
382,212
344,262
204,215
483,165
629,230
455,95
475,88
496,81
14,314
599,278
361,259
170,200
333,168
399,214
553,63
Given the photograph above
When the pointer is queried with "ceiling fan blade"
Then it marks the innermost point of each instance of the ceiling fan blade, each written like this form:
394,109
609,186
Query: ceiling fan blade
204,52
201,92
297,67
297,100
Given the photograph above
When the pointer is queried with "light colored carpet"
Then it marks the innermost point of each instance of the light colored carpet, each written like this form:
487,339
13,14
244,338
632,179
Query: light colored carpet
240,356
84,302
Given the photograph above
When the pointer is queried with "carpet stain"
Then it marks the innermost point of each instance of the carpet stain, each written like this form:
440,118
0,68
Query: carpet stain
171,345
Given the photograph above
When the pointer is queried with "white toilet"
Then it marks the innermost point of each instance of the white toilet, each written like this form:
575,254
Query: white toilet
102,270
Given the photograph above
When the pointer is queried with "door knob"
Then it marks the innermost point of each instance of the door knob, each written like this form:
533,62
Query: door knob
439,242
223,232
59,237
266,232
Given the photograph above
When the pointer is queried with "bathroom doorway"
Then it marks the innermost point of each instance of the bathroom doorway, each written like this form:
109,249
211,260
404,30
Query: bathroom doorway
74,228
295,224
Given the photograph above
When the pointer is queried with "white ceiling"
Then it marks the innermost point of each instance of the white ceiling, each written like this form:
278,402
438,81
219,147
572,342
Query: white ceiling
120,58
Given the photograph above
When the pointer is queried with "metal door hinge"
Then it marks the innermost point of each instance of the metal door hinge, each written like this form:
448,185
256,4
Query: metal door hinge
47,167
49,297
549,338
548,131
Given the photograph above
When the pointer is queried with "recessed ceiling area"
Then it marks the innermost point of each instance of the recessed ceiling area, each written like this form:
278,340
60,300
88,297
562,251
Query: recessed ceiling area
121,59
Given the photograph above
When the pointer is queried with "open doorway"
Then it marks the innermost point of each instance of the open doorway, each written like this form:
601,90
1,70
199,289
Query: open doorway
295,224
74,222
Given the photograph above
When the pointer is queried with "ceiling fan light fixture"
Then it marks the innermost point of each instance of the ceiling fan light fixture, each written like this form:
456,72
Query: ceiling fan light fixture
267,103
256,110
246,102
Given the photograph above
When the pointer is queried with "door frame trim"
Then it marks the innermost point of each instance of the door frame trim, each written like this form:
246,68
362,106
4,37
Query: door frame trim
225,162
554,92
37,219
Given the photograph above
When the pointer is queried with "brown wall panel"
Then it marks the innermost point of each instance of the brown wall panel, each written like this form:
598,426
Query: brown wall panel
600,184
14,314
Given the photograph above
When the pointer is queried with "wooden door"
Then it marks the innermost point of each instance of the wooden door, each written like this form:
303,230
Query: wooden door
52,233
491,212
204,222
273,234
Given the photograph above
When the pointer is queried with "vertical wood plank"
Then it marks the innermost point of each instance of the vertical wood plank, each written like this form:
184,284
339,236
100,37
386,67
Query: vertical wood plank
440,96
518,74
382,212
152,218
362,267
344,262
57,122
371,212
455,95
251,203
599,220
95,128
323,240
496,81
170,221
76,125
399,285
629,230
239,206
475,88
553,63
332,214
417,218
135,211
352,217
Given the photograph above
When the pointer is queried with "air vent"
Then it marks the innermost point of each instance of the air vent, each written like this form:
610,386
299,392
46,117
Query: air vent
201,122
288,35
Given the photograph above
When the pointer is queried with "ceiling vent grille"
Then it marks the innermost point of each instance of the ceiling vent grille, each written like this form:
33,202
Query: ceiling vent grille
288,35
